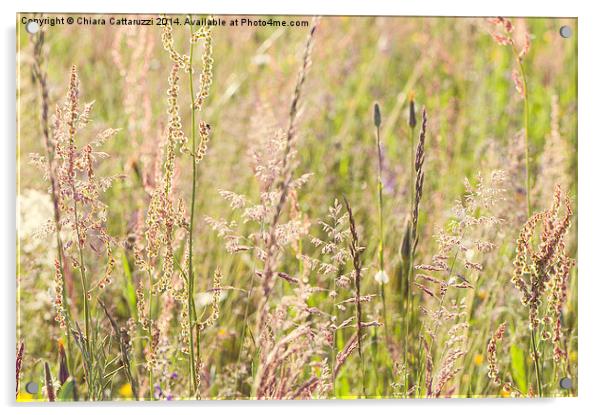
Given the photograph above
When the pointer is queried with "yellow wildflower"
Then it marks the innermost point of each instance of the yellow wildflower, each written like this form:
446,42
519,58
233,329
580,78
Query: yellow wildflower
125,391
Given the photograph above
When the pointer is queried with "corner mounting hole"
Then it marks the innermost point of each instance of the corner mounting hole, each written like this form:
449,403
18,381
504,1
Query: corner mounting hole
32,27
31,387
566,383
566,32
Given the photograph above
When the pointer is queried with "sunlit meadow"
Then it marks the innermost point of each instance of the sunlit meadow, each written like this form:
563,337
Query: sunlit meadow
353,207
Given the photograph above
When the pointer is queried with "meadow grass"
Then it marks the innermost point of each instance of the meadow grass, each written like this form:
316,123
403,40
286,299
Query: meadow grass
227,214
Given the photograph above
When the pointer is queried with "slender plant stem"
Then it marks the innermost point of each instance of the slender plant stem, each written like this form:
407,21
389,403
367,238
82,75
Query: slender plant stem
65,296
527,154
526,127
41,77
434,328
82,270
381,253
333,349
381,249
412,170
355,252
150,333
536,358
246,314
528,187
84,283
191,308
410,266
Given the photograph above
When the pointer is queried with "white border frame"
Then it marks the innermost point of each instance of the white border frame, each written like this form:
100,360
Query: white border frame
590,161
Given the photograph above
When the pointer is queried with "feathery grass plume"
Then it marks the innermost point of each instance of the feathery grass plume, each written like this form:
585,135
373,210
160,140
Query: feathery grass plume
132,52
286,170
324,383
296,344
270,380
19,364
337,254
355,250
331,272
296,101
301,342
294,335
49,144
512,160
418,185
541,276
80,188
407,241
503,35
463,240
439,372
554,163
274,169
133,49
268,251
84,215
412,122
61,284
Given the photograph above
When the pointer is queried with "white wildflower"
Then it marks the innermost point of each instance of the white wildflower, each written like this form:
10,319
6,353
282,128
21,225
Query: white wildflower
204,299
470,253
34,214
381,277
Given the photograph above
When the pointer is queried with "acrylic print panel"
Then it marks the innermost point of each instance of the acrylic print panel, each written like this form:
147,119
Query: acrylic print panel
292,207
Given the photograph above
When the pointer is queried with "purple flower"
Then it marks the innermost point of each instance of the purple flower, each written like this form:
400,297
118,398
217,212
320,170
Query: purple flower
158,391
